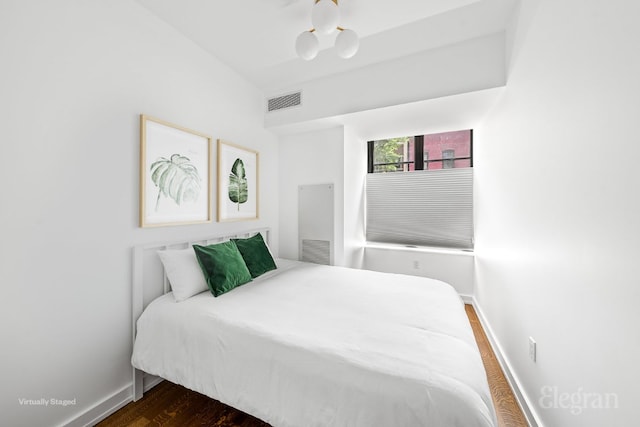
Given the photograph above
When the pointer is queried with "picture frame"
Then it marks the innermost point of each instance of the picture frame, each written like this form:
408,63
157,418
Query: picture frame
238,183
175,174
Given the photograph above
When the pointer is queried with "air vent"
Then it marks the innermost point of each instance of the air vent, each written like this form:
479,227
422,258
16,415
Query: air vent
284,101
316,251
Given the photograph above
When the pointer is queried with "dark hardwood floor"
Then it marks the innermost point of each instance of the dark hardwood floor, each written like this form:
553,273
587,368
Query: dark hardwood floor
170,405
508,411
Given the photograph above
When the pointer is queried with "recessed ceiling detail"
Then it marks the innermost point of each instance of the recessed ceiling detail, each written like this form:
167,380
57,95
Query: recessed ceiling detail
256,37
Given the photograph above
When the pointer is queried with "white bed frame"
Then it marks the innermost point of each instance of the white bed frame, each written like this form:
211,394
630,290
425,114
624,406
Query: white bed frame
150,282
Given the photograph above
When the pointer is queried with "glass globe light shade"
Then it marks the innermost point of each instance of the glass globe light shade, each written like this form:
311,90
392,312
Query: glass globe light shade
307,45
325,16
347,43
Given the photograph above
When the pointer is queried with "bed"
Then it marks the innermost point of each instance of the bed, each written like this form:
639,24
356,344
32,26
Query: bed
316,345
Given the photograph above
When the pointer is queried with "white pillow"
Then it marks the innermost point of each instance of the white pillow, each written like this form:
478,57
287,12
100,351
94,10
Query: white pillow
184,273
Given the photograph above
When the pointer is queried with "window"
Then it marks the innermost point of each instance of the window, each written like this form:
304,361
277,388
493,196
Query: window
419,190
437,151
448,159
392,155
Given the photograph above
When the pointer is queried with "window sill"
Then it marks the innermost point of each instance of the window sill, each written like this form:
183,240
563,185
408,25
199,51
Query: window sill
423,249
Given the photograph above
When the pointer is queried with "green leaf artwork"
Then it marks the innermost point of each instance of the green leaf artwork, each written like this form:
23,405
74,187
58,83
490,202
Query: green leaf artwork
238,188
176,178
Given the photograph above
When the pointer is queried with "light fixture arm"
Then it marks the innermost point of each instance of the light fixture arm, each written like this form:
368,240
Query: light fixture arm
337,28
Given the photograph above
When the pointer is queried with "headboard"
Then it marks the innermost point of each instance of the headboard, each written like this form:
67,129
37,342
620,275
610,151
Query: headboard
150,280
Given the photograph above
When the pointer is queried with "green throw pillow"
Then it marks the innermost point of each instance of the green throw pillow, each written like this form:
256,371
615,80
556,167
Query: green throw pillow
223,266
256,255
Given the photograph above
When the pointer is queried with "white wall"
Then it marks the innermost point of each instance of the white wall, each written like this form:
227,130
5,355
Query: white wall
338,156
75,76
454,267
557,209
307,159
355,171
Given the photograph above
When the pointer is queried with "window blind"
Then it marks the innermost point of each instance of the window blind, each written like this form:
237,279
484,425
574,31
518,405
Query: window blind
431,207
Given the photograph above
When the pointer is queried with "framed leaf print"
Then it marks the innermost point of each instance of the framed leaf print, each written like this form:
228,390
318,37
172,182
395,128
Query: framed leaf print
237,182
175,174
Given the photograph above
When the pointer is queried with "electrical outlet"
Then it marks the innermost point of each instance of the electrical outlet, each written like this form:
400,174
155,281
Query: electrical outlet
532,349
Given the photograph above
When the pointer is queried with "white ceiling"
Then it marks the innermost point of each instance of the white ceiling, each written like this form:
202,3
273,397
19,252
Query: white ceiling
257,37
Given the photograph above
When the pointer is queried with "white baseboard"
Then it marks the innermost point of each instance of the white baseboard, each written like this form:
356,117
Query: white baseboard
108,406
523,400
102,409
467,299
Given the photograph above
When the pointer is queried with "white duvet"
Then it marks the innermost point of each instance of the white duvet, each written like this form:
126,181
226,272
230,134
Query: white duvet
311,345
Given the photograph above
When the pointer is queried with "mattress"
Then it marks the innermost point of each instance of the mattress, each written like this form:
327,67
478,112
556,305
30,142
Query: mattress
314,345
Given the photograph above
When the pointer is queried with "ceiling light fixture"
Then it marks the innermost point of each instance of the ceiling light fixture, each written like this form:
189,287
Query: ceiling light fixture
325,17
